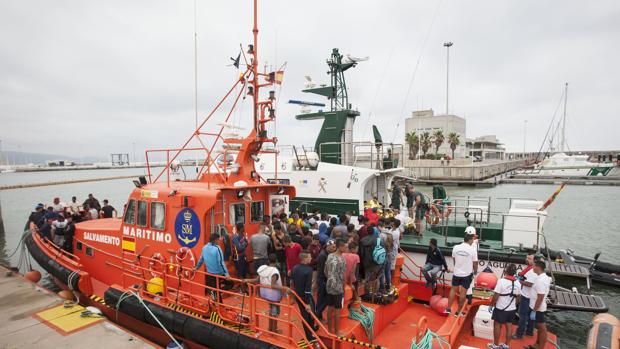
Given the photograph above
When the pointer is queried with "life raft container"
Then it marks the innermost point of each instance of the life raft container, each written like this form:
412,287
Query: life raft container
432,215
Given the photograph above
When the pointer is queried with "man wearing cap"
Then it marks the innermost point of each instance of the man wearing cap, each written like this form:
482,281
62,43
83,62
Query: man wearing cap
465,268
36,216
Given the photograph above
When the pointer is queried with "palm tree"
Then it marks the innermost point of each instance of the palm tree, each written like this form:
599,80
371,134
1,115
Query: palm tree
413,140
453,139
438,139
425,141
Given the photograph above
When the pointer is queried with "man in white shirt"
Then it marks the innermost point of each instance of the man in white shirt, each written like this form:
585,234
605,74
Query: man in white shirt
527,277
465,267
398,214
74,206
504,306
58,205
538,303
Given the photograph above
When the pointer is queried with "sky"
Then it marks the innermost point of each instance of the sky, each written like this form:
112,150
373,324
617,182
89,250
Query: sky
90,78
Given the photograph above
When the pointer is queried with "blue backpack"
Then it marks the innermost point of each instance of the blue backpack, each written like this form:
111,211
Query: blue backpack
378,254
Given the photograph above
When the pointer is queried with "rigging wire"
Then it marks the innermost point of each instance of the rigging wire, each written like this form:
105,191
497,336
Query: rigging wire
374,100
415,70
550,127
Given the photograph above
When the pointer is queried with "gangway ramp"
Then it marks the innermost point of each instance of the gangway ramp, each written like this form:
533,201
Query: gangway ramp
565,300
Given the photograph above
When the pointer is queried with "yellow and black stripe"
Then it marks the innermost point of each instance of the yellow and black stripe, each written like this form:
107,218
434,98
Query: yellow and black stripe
215,317
97,299
180,309
305,344
356,342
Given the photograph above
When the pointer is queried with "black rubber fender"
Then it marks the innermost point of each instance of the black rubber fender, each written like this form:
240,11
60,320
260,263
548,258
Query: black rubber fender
183,325
49,264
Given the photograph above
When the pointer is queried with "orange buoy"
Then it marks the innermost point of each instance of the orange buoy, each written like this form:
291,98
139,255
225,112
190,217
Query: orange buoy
66,295
486,280
441,305
33,275
434,300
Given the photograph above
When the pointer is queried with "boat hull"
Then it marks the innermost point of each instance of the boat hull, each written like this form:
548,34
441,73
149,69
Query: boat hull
130,314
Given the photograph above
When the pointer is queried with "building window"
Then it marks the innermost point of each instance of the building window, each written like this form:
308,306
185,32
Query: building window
142,208
130,212
257,211
158,215
237,213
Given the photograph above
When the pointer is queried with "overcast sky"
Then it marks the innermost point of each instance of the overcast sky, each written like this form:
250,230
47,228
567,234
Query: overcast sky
93,77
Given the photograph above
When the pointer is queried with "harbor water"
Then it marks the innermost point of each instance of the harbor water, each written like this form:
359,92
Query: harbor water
585,219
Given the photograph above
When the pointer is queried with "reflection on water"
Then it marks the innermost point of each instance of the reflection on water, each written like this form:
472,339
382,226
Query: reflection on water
583,218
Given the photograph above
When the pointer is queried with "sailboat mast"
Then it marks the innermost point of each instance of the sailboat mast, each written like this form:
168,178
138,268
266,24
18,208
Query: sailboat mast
563,143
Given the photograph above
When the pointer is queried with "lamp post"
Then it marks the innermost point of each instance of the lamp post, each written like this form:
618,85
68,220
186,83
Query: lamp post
447,45
524,135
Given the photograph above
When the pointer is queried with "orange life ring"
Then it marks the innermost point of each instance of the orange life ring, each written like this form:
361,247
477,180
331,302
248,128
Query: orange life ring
434,219
186,263
156,264
447,212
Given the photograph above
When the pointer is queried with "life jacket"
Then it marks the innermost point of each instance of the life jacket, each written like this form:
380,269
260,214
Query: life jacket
524,271
512,291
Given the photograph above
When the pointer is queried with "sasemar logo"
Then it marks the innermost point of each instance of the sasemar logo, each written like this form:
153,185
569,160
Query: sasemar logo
187,228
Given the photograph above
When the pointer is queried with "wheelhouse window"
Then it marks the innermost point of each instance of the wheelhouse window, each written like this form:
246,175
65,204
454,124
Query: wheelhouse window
142,208
237,213
158,215
130,212
257,211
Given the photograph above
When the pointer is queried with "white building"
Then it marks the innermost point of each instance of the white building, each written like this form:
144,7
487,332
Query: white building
426,121
486,148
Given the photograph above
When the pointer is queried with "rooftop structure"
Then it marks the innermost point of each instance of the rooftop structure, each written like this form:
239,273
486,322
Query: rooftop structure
486,147
426,121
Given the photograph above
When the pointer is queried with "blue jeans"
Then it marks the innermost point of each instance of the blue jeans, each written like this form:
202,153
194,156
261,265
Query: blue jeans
430,271
321,297
524,318
386,282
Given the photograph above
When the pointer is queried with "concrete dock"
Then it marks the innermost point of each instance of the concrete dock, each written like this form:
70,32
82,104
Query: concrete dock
32,317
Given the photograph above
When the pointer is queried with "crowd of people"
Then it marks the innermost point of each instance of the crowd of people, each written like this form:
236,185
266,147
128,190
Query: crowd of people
56,221
314,254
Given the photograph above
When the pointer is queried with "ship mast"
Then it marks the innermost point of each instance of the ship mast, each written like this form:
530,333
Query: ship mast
563,141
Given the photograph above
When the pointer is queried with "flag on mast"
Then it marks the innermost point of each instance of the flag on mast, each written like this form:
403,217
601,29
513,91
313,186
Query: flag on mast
552,197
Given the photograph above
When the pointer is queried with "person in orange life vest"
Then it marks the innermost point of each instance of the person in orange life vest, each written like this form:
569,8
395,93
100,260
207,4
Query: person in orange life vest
504,306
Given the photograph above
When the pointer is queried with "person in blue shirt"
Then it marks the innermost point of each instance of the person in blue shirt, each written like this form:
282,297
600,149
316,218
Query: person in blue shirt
213,259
